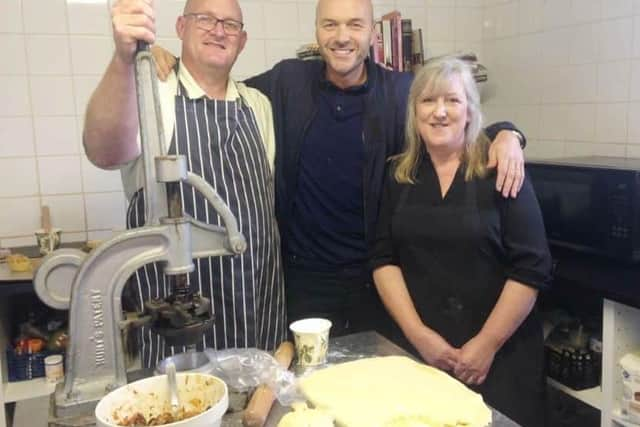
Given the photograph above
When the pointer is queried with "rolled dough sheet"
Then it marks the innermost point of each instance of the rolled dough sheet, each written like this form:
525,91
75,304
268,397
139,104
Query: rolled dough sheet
394,391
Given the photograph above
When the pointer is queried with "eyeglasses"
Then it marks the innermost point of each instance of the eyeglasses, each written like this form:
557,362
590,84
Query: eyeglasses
206,22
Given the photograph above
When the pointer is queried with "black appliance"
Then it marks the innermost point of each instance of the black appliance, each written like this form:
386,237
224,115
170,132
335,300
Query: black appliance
590,204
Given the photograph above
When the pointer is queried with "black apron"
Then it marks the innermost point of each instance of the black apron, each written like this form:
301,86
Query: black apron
223,145
455,277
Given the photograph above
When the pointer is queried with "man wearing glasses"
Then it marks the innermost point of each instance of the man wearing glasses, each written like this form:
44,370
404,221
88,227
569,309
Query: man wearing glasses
226,131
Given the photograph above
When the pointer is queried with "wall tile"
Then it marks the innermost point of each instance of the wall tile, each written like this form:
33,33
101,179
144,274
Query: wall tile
530,16
468,24
83,88
553,122
67,212
636,37
556,13
617,8
60,175
439,24
583,84
105,211
10,16
18,177
19,217
418,16
634,123
615,39
91,54
614,81
586,10
545,149
306,22
634,92
611,123
14,59
74,237
281,20
254,22
89,17
633,151
581,122
45,17
16,134
56,135
52,96
15,96
167,12
592,149
583,44
527,118
48,55
253,59
555,49
17,242
280,49
96,180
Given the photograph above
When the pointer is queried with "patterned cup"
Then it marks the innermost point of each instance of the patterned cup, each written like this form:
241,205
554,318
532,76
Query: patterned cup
312,340
48,242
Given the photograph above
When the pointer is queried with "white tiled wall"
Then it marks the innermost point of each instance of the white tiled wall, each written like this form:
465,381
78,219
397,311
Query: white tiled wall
54,51
567,72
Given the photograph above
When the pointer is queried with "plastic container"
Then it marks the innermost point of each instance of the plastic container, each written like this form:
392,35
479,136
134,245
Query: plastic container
150,397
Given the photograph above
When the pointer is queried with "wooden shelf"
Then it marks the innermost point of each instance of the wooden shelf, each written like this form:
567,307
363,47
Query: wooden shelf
22,390
590,396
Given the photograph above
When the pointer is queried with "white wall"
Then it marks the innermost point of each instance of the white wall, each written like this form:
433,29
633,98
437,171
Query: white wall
567,72
53,53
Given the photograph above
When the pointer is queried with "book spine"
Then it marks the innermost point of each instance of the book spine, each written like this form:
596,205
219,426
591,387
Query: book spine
407,41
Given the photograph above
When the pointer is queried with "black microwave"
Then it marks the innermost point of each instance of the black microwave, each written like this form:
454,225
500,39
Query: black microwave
590,204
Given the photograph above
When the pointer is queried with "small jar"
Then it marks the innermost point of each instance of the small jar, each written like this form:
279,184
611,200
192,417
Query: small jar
53,369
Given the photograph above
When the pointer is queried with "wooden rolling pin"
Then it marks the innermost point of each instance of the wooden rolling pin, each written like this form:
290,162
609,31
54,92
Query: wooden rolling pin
257,411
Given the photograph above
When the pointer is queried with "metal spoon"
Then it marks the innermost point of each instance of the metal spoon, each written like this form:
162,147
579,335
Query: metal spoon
170,369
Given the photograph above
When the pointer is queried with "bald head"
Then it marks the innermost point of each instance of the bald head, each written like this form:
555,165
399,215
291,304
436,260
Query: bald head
231,6
364,5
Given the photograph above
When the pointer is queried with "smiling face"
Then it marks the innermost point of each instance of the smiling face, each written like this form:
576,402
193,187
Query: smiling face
442,114
344,32
204,50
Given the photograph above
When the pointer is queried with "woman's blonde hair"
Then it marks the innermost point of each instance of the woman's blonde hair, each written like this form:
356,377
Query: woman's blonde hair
434,78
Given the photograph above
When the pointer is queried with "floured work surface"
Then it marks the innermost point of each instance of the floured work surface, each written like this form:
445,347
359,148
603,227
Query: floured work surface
394,391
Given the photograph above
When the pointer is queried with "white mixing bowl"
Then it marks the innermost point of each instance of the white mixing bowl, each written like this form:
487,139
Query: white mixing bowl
150,397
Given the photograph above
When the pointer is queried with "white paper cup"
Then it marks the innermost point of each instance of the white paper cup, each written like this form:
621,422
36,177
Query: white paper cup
53,369
312,340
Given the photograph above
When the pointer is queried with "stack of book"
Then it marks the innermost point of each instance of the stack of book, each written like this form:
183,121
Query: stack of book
397,45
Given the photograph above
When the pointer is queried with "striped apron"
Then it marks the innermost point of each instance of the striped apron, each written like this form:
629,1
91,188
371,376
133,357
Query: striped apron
222,144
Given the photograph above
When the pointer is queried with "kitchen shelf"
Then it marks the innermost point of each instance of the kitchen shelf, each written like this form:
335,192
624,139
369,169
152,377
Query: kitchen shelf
590,396
21,390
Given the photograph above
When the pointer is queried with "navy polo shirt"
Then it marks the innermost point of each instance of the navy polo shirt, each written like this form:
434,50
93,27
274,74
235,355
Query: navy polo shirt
326,230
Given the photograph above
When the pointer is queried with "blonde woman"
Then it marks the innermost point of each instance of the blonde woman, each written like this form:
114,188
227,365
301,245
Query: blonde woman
457,265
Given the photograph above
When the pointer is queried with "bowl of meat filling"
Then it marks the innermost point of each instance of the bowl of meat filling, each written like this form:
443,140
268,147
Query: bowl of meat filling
203,401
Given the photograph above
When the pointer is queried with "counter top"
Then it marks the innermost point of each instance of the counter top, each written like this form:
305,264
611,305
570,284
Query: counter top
357,346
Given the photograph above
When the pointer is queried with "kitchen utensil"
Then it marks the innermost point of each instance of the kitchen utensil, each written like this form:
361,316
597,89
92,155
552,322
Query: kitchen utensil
257,410
173,388
45,219
150,398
